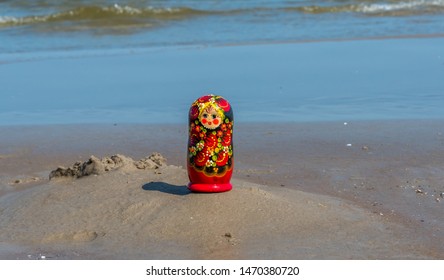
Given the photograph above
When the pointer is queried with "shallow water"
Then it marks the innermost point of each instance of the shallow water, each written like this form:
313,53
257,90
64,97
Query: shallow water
323,81
100,24
147,61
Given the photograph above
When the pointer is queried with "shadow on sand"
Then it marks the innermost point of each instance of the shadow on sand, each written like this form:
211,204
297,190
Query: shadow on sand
166,188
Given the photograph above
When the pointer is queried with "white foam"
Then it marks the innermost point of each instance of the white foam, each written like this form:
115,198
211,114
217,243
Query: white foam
124,9
7,20
377,8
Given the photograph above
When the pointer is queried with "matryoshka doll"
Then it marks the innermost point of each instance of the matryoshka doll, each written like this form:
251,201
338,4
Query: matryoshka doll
210,145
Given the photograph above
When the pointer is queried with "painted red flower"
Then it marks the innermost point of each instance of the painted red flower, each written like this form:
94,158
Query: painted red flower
223,127
204,98
201,158
223,104
226,140
211,141
194,112
222,159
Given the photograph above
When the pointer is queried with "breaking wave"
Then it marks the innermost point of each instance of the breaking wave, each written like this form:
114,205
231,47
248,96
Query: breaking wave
128,17
402,8
114,14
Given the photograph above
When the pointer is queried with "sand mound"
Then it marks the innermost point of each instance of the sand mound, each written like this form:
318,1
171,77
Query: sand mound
98,166
147,213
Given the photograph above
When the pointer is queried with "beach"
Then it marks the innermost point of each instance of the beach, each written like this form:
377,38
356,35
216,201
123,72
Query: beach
361,190
338,148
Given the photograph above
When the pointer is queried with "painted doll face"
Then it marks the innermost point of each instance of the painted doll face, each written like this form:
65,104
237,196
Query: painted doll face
210,118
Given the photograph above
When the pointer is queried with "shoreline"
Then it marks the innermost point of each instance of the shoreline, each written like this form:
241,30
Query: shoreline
140,50
391,170
347,81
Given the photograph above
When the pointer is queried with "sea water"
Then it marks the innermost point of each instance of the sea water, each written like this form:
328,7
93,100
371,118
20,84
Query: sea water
29,26
146,61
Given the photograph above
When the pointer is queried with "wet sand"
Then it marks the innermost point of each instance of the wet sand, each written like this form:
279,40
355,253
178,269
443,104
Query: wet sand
293,81
333,190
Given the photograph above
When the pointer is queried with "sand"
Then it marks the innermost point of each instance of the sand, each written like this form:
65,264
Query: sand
132,214
310,195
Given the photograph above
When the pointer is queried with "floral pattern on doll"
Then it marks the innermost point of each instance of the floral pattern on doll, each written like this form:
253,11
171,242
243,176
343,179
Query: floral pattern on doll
210,135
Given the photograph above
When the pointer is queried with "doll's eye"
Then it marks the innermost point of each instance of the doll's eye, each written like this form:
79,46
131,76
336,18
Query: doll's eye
205,116
214,116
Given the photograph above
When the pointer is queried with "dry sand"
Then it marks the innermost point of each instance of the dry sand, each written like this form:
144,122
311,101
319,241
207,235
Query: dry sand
131,213
145,211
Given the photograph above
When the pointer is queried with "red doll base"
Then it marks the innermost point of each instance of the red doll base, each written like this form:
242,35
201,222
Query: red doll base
209,188
201,182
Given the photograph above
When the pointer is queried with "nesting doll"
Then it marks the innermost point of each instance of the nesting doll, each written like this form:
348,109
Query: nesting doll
210,145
